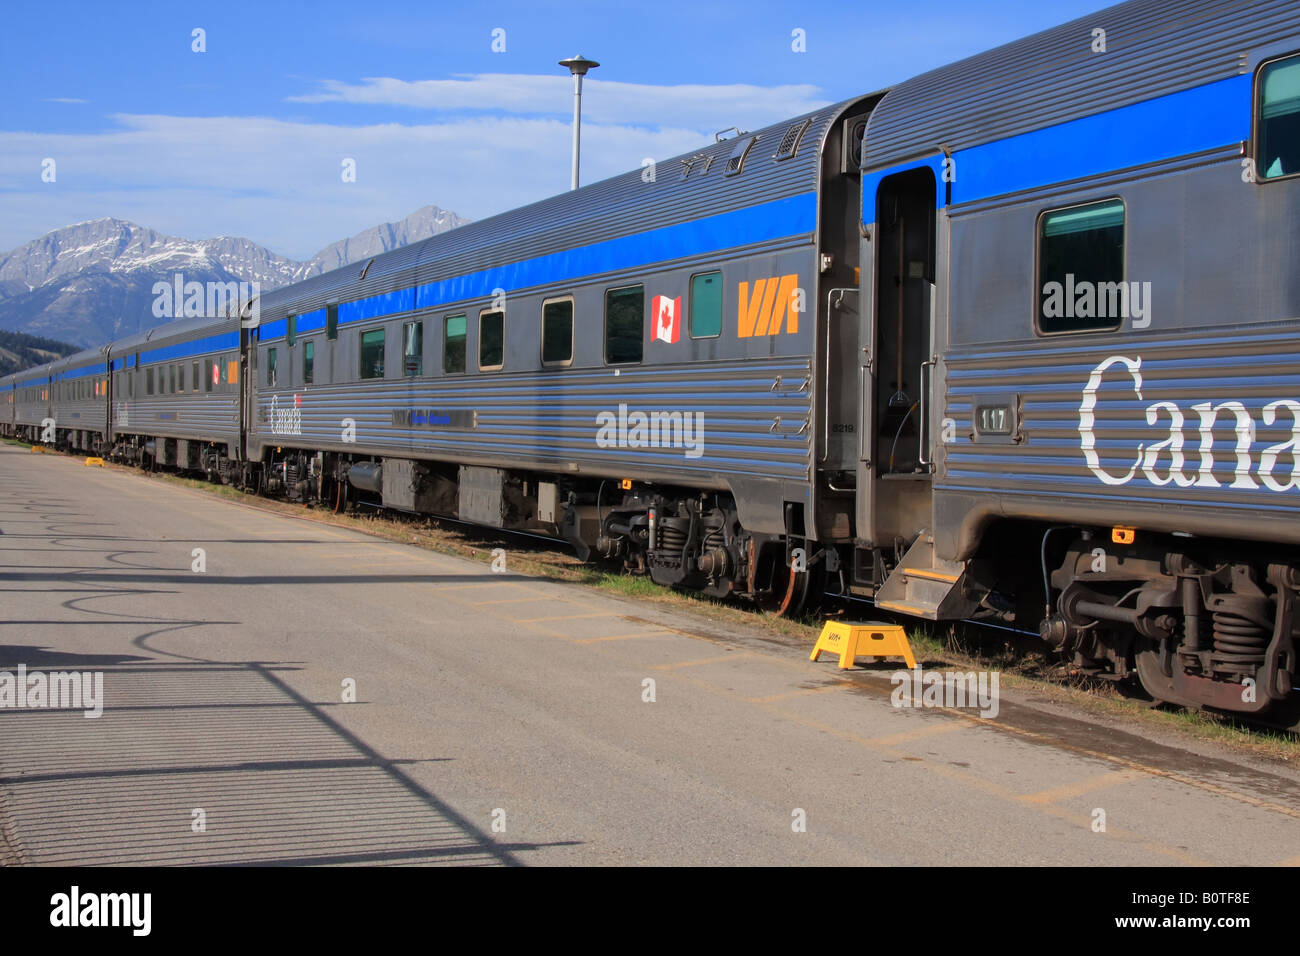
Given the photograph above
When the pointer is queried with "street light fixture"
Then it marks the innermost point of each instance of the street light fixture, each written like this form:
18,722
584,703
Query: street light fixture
578,66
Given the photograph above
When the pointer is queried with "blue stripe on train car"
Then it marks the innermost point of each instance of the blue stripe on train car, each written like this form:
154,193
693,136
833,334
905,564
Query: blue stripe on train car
788,218
1190,121
226,342
310,322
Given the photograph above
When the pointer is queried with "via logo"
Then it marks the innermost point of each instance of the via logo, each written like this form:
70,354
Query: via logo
764,309
668,318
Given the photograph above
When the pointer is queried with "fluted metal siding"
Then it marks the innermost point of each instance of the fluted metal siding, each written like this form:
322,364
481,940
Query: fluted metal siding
206,416
1153,47
1252,367
546,420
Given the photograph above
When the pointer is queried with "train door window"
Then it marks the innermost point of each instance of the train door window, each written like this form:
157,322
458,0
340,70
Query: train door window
308,362
557,331
271,371
372,353
706,305
331,322
291,330
1081,284
412,349
453,344
208,378
194,381
491,341
624,325
1277,120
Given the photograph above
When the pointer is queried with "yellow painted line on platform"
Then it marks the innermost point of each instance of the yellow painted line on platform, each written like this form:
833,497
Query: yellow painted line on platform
911,736
707,660
802,692
1103,781
532,597
563,617
621,637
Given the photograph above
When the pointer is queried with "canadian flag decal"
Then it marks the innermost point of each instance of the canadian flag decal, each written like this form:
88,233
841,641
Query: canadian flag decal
667,318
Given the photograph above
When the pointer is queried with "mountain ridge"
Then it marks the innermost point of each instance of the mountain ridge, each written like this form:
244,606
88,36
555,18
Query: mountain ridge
91,282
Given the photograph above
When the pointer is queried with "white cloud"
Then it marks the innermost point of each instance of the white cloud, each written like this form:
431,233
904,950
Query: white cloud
637,104
278,182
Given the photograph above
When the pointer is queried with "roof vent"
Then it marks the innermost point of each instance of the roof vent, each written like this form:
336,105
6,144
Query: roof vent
790,141
736,161
366,269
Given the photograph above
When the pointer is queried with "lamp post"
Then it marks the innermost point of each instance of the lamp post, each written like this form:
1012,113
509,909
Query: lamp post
578,66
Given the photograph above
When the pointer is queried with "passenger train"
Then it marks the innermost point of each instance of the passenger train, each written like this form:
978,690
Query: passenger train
1017,339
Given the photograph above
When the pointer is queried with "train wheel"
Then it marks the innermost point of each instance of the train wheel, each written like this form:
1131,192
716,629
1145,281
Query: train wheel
796,592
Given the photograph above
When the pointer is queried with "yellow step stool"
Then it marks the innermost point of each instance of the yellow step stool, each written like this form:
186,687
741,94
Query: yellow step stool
850,641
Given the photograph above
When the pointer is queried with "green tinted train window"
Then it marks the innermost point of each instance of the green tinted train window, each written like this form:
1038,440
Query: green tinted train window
1278,119
270,367
453,344
624,325
1081,268
308,362
706,305
372,353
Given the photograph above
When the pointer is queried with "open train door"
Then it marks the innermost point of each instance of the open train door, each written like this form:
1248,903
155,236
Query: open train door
896,473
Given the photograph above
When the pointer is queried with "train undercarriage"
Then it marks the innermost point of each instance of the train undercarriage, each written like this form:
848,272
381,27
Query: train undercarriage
1200,622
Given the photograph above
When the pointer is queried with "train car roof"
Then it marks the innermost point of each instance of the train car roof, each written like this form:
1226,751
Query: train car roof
181,330
82,359
1151,48
624,205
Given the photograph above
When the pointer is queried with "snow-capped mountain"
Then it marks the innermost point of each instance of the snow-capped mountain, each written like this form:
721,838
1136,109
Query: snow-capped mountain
93,281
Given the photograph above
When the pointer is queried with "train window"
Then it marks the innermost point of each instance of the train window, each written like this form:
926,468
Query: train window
308,362
1277,121
1081,284
706,305
171,380
148,382
453,344
372,353
209,374
491,340
624,324
194,380
291,330
271,371
232,371
412,348
557,331
331,322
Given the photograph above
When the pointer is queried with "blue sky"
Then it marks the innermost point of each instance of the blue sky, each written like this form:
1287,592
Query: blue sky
249,137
